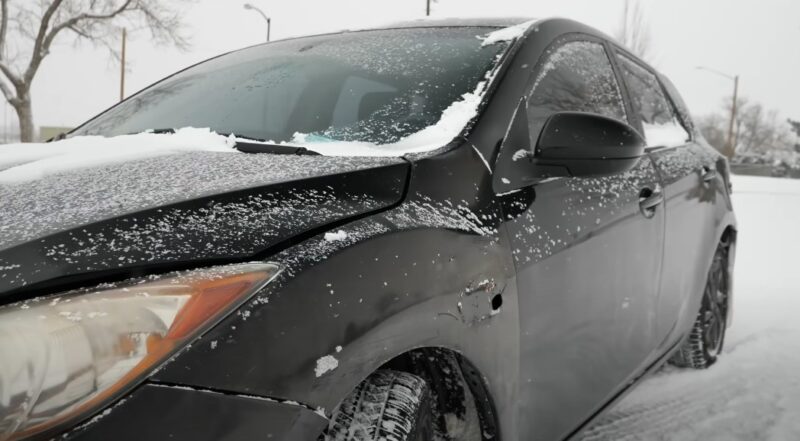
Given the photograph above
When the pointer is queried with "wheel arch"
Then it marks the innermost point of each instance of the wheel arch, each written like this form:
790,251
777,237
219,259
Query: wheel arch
434,362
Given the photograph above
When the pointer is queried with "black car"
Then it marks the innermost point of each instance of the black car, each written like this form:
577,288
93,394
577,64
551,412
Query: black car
459,229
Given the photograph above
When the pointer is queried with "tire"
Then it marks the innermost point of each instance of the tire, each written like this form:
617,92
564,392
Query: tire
387,406
703,345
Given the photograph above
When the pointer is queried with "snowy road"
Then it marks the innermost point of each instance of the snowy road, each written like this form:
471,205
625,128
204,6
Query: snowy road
753,392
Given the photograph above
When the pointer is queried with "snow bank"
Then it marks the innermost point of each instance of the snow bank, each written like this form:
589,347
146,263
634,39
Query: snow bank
27,162
507,34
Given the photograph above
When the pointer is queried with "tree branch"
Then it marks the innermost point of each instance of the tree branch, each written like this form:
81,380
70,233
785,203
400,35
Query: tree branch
7,93
72,22
3,26
38,45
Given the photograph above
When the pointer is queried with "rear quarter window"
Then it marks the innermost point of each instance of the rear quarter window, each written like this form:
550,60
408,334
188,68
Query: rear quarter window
659,120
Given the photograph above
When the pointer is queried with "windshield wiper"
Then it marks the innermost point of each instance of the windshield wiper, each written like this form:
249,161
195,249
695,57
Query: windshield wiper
277,149
247,144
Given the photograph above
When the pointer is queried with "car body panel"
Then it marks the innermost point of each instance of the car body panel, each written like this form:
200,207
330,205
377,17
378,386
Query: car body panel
690,221
406,278
588,262
159,412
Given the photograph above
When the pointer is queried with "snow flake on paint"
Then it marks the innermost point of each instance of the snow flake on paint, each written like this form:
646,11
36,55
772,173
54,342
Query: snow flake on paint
325,364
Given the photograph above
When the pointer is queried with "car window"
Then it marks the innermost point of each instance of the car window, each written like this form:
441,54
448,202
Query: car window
576,76
661,125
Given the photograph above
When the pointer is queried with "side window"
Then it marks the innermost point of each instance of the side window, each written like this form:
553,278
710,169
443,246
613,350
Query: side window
577,76
661,126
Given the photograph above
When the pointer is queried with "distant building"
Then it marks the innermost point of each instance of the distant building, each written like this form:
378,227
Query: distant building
48,132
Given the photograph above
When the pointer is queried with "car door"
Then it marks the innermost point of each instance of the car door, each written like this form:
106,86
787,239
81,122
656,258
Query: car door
587,257
688,176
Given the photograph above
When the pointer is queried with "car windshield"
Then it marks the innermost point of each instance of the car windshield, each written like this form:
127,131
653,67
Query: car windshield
375,88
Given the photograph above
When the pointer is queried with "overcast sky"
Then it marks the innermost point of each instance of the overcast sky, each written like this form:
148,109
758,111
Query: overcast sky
757,39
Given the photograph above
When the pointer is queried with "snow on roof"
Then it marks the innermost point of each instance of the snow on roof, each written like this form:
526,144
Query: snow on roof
27,162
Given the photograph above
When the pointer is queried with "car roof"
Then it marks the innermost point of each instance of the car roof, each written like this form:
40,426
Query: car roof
496,22
500,22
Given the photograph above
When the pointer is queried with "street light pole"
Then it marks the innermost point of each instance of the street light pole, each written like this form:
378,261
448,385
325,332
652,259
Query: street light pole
730,149
428,9
731,137
248,6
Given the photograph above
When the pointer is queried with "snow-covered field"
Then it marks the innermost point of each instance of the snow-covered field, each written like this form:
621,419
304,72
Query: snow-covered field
753,392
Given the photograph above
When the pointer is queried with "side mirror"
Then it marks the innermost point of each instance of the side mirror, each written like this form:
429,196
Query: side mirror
586,144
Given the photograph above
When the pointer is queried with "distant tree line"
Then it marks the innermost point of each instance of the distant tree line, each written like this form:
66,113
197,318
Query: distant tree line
757,130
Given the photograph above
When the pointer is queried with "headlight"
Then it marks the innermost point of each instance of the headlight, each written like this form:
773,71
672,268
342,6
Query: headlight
64,356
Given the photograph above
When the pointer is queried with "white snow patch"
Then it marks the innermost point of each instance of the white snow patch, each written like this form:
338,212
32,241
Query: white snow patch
665,135
326,364
27,162
334,236
520,154
338,349
507,34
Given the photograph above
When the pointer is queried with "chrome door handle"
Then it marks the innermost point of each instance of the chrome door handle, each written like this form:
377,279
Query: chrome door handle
649,200
708,174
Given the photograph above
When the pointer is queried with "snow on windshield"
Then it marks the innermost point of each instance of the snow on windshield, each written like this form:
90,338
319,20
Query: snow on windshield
449,126
26,162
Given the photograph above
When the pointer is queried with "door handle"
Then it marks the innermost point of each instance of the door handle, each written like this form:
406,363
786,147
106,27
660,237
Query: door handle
708,173
649,200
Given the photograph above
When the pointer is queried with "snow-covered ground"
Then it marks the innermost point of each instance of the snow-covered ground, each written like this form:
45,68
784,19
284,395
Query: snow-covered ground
753,392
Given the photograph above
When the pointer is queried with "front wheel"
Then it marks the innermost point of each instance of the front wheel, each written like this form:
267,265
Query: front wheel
387,406
704,343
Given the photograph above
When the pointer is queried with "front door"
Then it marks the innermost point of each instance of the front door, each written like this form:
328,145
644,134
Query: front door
587,256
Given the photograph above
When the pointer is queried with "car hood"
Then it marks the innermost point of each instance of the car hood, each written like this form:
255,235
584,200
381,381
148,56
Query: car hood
181,209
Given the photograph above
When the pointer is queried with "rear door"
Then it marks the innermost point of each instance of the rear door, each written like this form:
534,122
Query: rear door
688,176
587,258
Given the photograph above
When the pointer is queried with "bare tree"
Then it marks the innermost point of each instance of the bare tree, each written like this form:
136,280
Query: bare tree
28,29
633,31
756,129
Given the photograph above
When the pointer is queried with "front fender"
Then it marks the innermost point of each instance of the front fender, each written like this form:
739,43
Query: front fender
419,275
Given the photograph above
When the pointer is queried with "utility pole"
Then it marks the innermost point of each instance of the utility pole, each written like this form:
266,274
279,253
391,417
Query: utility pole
730,148
428,9
122,67
731,138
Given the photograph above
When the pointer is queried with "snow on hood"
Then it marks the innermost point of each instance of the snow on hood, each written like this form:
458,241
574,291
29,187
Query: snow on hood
37,208
507,34
27,162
